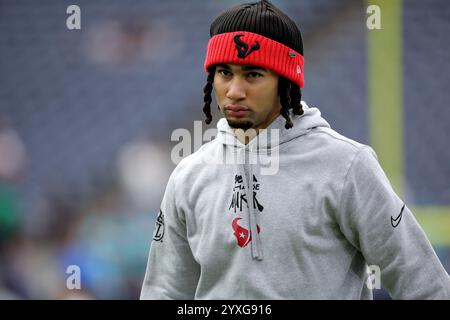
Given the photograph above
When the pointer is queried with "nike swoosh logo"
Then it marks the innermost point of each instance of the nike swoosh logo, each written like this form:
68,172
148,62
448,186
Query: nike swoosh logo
396,221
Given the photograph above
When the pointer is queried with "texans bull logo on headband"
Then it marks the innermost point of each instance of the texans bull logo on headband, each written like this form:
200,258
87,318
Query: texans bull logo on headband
243,48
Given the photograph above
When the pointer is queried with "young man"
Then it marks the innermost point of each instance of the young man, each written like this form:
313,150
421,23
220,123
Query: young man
309,229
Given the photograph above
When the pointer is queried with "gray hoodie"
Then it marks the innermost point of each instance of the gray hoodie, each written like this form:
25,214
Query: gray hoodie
308,230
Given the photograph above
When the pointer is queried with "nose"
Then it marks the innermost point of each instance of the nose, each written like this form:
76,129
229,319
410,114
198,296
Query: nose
236,90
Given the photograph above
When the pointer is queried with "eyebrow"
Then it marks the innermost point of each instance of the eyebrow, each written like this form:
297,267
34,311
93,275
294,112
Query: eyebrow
244,68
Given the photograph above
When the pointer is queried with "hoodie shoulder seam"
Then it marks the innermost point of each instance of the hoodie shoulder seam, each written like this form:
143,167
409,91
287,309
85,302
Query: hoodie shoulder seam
337,136
197,153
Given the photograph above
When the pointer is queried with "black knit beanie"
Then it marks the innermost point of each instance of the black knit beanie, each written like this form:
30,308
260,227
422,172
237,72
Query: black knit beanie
257,34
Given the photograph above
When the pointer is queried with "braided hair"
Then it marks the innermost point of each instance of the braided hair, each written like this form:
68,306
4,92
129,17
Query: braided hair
207,90
290,97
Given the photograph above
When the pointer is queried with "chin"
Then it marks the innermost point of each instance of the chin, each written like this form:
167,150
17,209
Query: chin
240,124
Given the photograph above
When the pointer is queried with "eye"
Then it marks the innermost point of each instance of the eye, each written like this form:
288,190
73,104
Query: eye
224,72
254,75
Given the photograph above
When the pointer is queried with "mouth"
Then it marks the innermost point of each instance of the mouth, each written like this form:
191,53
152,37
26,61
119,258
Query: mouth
237,111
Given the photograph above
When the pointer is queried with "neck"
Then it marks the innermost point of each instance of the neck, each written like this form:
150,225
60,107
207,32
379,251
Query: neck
246,136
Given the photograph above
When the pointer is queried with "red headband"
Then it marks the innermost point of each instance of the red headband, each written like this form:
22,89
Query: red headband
254,49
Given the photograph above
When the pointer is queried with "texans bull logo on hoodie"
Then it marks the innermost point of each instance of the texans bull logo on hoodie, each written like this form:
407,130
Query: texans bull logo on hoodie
241,233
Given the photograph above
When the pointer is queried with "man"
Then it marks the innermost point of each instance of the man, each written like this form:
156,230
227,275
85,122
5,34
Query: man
308,230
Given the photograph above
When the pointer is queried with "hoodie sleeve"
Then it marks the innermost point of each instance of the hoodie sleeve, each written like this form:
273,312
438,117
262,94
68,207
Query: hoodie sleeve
379,224
172,272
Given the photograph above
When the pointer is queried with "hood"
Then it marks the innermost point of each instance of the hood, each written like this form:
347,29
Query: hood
267,140
311,118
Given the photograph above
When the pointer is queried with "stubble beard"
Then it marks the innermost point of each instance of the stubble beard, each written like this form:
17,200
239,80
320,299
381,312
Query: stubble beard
244,125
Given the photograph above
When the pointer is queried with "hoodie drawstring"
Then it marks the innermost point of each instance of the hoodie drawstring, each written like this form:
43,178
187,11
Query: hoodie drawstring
256,245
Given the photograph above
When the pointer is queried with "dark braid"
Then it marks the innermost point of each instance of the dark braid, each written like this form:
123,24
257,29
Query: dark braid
285,100
207,90
290,97
296,97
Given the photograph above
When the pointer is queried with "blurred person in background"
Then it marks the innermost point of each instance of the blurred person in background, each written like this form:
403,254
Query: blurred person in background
106,237
310,230
12,167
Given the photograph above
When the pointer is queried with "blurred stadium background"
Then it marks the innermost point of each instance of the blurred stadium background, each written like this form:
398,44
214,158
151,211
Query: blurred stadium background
86,118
